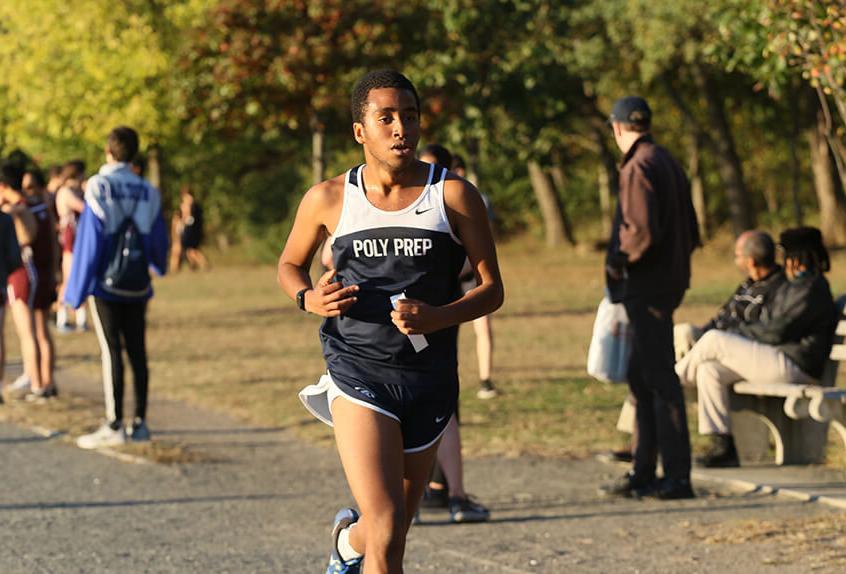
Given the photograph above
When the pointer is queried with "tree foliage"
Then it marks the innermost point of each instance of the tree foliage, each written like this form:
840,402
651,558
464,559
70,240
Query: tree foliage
235,91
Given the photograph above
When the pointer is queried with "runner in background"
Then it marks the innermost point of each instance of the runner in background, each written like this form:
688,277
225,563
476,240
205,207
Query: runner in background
69,206
446,484
22,281
44,259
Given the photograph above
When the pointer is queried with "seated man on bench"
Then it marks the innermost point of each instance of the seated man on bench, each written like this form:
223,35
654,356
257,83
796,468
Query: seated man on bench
789,343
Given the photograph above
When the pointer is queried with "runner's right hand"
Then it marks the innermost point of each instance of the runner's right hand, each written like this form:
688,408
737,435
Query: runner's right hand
330,298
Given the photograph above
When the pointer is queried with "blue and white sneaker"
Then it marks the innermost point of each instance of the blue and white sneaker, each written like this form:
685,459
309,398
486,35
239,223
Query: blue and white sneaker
337,565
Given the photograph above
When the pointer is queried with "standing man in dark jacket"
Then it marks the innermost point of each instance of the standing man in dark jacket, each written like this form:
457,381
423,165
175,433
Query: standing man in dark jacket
789,343
648,270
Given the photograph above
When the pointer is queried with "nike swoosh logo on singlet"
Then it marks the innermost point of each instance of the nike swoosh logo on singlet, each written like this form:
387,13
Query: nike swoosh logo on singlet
422,211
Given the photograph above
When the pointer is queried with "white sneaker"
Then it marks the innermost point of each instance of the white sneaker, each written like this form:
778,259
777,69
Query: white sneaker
102,437
20,387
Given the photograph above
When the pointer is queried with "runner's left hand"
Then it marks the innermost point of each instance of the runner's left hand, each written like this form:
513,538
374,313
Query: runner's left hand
413,317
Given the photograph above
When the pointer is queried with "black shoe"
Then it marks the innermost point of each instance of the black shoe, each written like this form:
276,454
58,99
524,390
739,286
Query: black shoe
722,453
626,486
674,489
467,510
621,455
435,498
487,390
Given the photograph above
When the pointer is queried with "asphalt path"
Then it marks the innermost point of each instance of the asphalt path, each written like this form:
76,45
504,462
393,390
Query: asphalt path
263,500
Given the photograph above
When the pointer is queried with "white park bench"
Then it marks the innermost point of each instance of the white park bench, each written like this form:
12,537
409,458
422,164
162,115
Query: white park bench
797,417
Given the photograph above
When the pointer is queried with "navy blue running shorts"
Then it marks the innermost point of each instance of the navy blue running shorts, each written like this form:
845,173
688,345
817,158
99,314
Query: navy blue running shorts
423,411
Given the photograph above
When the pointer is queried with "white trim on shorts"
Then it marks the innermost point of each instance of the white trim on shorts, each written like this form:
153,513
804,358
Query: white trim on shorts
433,441
335,391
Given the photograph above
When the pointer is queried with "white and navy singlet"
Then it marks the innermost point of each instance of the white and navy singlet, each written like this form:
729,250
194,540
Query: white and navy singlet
412,250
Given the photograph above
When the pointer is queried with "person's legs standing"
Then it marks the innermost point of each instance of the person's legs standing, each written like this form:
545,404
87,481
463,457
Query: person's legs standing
108,317
24,325
653,345
134,326
645,453
46,350
483,329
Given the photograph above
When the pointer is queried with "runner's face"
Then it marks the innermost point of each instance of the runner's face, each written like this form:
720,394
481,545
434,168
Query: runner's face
391,126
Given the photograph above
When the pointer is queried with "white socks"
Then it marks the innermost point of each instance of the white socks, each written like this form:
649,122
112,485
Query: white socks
345,549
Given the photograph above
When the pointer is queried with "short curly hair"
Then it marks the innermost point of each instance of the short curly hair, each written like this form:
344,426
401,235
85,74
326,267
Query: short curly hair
373,81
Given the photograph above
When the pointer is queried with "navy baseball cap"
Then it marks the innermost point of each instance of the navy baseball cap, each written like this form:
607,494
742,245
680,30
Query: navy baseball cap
631,110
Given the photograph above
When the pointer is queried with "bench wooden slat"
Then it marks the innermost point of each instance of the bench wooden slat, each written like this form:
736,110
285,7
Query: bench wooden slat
825,393
838,352
768,389
841,328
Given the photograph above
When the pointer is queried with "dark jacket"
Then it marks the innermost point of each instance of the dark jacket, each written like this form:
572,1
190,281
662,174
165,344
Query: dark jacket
10,251
654,231
747,302
800,322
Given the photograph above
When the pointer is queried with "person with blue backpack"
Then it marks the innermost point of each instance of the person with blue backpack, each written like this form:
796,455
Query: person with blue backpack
120,236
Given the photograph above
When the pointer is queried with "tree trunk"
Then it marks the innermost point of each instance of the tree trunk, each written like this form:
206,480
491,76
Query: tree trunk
697,187
318,144
770,193
728,162
472,163
795,167
550,205
608,177
837,148
829,194
605,201
154,166
560,186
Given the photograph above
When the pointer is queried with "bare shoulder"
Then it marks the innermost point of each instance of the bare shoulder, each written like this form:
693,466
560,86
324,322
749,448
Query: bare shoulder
461,195
325,196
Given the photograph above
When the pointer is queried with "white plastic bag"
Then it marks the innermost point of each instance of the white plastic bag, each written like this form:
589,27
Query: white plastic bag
611,343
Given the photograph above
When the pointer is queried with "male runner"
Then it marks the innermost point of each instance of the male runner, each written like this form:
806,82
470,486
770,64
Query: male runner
400,228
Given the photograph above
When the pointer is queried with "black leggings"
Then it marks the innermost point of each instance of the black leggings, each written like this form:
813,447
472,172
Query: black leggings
126,322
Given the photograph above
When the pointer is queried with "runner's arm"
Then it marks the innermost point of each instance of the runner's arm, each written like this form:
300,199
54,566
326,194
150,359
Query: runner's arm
469,219
329,298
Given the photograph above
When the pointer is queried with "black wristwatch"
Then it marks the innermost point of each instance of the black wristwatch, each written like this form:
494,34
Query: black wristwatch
301,298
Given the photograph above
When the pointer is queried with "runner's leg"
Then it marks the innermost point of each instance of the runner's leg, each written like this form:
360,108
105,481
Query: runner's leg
46,351
371,450
22,315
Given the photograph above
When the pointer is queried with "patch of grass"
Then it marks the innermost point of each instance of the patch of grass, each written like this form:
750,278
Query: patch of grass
230,341
817,543
73,416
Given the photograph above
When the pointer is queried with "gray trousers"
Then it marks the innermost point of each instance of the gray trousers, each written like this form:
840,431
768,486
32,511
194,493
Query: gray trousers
720,359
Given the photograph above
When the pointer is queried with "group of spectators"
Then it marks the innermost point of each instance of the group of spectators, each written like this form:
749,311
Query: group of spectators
39,219
69,241
777,327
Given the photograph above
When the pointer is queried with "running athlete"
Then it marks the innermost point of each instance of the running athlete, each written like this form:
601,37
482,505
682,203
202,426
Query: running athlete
22,281
401,230
69,206
44,261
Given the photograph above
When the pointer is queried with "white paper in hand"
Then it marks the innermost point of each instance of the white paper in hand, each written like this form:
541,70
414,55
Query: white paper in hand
419,342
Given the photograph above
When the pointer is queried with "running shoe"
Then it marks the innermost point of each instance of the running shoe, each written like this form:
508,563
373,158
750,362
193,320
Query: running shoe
138,431
41,395
435,498
486,390
64,328
102,437
465,509
338,565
